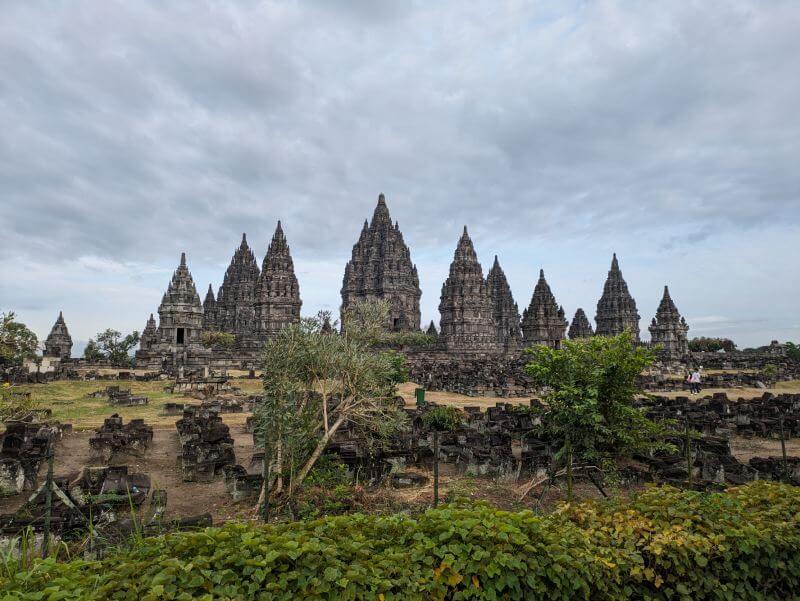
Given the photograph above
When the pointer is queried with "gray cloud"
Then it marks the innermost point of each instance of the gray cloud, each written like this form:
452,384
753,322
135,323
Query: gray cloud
132,131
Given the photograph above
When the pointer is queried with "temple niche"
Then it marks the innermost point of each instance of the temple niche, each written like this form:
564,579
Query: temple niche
504,309
58,343
616,309
669,330
177,342
381,268
543,321
277,292
580,326
466,309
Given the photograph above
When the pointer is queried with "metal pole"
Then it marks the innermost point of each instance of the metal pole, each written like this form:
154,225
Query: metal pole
48,507
435,468
688,444
783,451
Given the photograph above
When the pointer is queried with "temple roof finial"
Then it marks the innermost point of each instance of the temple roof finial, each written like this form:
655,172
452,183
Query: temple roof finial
183,259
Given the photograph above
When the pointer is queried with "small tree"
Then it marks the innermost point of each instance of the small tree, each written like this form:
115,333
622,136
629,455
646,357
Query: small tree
793,351
216,339
17,342
770,373
589,386
112,346
440,419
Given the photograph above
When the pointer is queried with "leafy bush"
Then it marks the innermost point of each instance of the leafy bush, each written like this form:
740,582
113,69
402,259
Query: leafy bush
664,544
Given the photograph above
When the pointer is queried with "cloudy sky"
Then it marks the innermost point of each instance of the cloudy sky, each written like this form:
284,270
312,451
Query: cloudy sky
559,132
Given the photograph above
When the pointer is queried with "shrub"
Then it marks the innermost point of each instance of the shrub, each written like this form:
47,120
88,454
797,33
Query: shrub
663,544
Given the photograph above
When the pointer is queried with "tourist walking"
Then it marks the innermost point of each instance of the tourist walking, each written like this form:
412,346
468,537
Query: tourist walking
694,382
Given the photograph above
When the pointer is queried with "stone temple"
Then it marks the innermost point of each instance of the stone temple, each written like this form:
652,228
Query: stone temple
668,330
479,316
466,307
543,321
381,268
58,343
616,309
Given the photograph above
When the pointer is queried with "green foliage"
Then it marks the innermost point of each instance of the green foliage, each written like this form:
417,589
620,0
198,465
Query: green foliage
398,366
369,321
217,339
663,544
112,346
793,351
711,345
770,372
589,387
442,418
14,404
17,342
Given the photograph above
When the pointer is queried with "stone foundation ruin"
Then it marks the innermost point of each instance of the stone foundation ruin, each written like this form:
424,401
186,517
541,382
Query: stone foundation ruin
206,444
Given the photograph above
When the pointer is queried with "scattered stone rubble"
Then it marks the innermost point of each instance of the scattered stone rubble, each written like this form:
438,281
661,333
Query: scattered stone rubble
25,445
113,438
206,444
96,493
120,397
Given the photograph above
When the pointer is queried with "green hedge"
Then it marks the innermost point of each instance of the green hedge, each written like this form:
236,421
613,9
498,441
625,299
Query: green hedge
663,544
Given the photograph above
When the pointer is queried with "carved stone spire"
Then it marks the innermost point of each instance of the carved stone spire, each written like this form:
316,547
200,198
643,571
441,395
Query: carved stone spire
236,299
277,294
504,310
149,337
616,309
543,321
432,331
669,330
210,321
59,342
180,313
467,322
580,326
381,268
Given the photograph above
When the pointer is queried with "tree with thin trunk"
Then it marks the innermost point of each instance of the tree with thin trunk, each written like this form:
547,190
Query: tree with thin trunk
315,383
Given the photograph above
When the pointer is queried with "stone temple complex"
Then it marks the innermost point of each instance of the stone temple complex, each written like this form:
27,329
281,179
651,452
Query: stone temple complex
479,316
381,269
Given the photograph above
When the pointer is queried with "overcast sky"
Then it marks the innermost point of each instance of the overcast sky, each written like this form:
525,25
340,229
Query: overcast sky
559,132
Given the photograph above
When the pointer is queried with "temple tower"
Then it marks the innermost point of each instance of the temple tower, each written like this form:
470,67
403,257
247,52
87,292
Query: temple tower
467,322
432,331
277,293
149,338
210,321
59,342
543,321
580,326
235,304
504,309
616,309
668,329
381,268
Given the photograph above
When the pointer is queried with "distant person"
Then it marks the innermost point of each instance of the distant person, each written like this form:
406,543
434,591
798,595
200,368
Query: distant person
694,381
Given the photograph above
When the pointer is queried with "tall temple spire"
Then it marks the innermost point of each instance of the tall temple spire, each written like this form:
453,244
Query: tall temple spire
381,268
277,292
616,309
235,303
543,321
669,330
149,338
504,310
466,309
58,342
580,326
